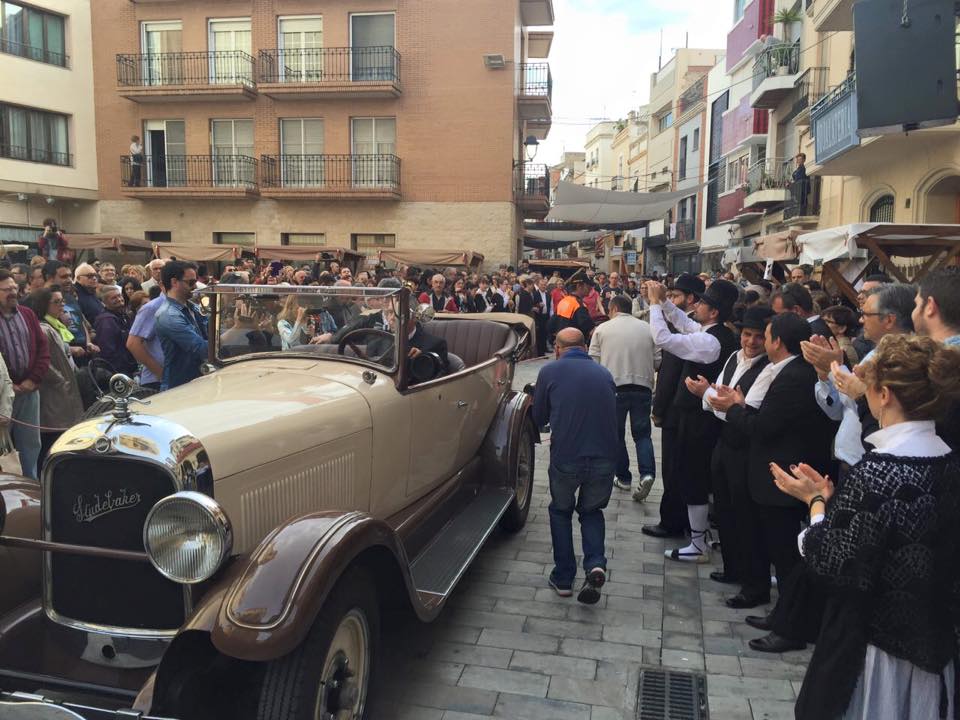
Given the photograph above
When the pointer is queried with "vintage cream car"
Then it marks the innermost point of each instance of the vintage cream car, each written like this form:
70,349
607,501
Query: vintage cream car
228,548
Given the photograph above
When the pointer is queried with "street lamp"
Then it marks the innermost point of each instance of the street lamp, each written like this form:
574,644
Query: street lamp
530,147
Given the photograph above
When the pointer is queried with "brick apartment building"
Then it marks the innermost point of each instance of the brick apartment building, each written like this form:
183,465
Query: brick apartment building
387,123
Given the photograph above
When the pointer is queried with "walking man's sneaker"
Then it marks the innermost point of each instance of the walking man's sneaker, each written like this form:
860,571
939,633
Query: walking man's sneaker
641,491
623,485
561,590
590,592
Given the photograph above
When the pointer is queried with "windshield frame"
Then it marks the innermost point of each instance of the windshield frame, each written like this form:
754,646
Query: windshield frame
214,297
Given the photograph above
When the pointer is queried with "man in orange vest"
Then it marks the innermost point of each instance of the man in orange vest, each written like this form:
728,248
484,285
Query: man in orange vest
571,312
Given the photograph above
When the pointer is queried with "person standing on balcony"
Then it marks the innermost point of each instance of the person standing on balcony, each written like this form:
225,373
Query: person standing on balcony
136,160
801,183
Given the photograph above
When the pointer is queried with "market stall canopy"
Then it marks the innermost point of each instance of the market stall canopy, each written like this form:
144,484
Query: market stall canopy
432,258
197,253
94,241
777,246
576,203
305,252
12,247
550,239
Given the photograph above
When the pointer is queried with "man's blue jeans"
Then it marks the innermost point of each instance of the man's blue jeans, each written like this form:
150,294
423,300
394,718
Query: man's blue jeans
585,486
26,409
636,404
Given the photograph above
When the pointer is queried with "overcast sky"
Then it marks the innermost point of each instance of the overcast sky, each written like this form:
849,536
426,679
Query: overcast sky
604,51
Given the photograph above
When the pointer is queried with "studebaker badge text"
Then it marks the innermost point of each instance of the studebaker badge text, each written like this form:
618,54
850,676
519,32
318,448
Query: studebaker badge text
88,510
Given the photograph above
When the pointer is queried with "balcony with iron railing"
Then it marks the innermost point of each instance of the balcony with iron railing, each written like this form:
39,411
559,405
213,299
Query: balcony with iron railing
810,88
531,189
744,40
356,177
226,75
534,90
311,73
743,126
768,182
730,205
36,155
803,207
31,52
774,75
691,99
190,176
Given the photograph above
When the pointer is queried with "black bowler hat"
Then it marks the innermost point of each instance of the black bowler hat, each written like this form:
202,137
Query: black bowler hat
689,284
722,295
755,318
578,277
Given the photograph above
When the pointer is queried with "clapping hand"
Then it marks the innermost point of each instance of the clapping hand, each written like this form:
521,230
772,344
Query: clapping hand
847,383
822,353
802,482
656,291
697,386
726,398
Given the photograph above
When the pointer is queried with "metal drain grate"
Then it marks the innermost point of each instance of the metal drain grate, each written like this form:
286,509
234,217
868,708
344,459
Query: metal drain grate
672,695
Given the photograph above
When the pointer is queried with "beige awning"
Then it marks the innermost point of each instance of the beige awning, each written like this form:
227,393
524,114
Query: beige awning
304,252
197,253
96,241
777,246
432,258
581,204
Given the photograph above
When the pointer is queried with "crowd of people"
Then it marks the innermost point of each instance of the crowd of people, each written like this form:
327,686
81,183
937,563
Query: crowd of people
799,434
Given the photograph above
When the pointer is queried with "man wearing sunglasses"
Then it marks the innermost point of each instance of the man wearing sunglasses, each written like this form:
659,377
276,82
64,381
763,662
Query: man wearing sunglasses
85,282
180,326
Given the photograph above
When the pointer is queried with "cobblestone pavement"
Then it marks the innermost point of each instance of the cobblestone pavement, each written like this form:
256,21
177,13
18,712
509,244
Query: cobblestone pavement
506,646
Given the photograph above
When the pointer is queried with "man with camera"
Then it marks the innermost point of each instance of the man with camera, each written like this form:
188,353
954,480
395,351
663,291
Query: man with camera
52,244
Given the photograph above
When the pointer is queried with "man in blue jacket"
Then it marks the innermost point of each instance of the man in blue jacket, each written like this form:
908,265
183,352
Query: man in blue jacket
181,328
577,397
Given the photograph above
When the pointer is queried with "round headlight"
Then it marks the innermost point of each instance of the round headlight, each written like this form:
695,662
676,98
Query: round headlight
187,537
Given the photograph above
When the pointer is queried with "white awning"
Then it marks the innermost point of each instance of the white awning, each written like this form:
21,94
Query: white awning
576,203
831,244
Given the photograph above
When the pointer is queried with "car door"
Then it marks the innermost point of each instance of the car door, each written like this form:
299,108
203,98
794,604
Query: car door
436,414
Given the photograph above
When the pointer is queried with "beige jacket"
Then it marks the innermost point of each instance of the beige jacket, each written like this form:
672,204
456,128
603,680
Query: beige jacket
624,346
60,403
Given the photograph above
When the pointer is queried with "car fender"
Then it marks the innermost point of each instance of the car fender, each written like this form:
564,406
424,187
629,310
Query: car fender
19,517
268,609
499,449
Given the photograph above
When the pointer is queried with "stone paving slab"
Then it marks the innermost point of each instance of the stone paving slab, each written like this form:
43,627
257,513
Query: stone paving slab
507,647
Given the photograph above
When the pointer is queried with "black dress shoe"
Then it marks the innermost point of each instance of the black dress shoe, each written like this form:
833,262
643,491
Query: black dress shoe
760,622
721,576
773,643
743,602
659,531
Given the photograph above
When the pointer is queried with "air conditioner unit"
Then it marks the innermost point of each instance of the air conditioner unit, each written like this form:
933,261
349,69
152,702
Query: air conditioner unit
494,61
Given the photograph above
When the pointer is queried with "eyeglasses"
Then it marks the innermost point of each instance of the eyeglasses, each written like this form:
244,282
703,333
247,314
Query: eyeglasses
57,302
866,314
87,275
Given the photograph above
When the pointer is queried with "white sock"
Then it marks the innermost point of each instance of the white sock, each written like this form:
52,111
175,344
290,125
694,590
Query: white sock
697,516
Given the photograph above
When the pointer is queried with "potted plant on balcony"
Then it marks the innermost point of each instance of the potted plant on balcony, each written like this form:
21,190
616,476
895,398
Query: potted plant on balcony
787,19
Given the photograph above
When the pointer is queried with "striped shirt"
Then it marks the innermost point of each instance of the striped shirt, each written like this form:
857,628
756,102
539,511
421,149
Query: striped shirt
15,344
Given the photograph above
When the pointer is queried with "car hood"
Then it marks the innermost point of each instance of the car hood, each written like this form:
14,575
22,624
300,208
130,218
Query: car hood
252,413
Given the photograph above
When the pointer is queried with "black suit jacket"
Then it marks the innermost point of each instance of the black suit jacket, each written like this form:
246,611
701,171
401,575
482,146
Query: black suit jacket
668,377
525,303
820,327
425,342
788,428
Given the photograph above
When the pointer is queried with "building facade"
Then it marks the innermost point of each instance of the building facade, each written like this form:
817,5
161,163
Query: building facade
48,161
600,166
391,123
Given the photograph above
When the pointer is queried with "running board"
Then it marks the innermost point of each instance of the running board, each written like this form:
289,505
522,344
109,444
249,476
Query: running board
438,568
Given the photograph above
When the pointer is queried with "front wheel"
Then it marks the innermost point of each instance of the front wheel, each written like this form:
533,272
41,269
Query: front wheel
329,675
515,516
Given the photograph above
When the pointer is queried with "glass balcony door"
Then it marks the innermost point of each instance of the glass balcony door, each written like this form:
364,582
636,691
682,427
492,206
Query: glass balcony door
165,144
374,144
162,44
232,147
372,39
230,42
301,43
301,159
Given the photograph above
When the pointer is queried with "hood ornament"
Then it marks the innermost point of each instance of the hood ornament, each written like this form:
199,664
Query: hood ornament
121,393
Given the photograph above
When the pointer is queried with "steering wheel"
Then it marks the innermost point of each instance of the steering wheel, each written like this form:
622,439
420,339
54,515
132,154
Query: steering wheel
345,340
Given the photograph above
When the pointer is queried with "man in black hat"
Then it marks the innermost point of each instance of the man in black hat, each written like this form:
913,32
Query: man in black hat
685,294
571,311
703,344
728,466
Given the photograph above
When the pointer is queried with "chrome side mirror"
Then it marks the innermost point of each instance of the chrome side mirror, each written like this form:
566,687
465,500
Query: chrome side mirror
424,313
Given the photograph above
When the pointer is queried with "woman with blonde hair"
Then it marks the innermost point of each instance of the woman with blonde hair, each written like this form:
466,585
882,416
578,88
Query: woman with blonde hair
884,548
293,324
